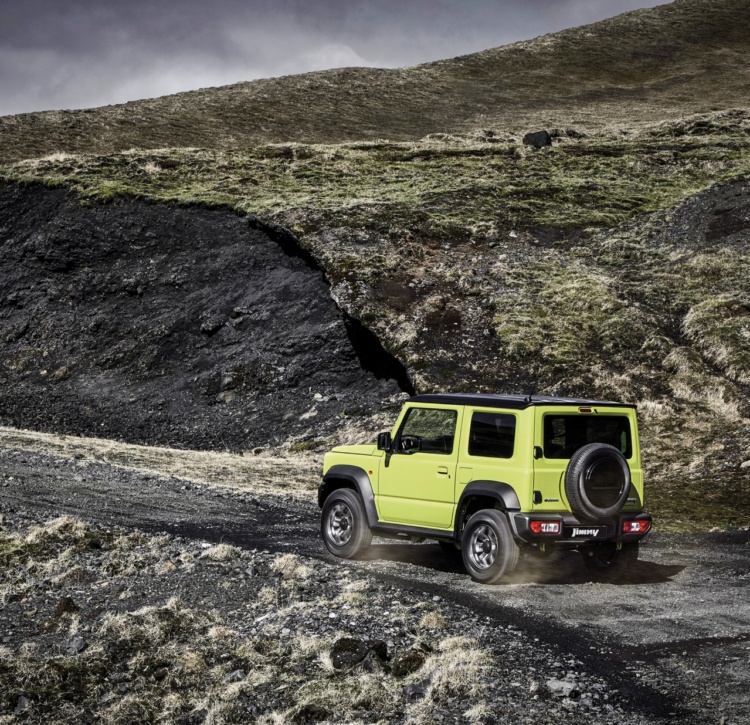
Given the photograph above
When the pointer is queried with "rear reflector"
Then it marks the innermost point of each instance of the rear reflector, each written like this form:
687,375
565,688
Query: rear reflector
585,410
635,527
545,527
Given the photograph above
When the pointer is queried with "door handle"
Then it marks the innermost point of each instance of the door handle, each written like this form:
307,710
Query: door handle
443,469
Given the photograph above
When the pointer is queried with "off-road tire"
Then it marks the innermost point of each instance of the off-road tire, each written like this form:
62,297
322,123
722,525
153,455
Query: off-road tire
343,524
597,481
606,563
487,547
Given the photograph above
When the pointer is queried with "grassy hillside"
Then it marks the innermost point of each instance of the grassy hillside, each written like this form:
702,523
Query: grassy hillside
687,57
614,265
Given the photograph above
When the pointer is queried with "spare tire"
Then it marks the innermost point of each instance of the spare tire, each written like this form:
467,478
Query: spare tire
597,481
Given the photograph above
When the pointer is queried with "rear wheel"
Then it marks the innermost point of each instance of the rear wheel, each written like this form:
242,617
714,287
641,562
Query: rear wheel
606,563
488,549
343,524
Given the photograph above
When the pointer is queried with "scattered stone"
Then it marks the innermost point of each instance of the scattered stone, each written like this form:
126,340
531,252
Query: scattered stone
60,374
74,645
348,651
212,326
563,688
22,706
235,676
404,663
160,673
414,691
65,605
538,139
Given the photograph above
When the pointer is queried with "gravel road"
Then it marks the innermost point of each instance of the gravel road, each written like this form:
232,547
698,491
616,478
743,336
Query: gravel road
673,640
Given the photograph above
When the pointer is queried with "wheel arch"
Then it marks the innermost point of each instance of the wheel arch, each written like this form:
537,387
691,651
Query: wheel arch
481,495
351,477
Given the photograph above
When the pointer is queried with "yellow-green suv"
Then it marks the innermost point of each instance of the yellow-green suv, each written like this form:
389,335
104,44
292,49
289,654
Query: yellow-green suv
491,474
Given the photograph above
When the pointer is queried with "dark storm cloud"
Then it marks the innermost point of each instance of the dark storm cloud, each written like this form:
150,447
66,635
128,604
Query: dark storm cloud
79,53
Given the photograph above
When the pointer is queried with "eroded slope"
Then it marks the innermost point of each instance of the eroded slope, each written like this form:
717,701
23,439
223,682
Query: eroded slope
177,326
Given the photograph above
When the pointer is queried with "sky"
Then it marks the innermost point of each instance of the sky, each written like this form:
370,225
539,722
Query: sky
85,53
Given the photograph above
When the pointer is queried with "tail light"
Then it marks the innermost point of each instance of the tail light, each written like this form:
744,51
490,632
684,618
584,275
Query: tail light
640,526
544,527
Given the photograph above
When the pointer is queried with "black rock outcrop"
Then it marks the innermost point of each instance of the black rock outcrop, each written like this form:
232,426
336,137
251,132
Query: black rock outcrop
169,325
538,139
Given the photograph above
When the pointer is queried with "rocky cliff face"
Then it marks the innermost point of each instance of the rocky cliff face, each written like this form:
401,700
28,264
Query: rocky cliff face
175,326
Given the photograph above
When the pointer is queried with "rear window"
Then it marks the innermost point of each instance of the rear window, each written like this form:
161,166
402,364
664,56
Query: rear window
492,435
565,434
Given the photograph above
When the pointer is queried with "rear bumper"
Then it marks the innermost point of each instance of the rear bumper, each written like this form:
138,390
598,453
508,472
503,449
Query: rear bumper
573,531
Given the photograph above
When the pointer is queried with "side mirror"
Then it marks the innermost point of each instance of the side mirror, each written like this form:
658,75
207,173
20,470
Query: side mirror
384,442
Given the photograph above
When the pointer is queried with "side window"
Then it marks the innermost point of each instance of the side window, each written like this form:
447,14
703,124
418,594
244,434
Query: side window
492,435
428,430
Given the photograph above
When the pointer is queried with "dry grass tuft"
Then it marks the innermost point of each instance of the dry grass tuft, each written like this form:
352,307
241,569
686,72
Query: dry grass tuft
432,620
290,567
478,713
454,671
720,328
64,528
341,696
222,552
354,592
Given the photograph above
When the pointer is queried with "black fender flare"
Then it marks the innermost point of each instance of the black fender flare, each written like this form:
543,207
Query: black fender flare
501,492
360,482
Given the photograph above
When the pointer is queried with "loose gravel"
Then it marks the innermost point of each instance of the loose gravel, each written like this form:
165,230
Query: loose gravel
162,599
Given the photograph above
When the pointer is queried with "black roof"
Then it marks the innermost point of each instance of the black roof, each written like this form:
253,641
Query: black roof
516,402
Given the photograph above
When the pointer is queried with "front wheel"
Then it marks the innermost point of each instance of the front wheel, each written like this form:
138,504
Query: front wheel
343,524
488,549
606,563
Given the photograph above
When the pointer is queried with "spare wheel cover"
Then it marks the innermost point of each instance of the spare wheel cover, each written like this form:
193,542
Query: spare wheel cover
597,481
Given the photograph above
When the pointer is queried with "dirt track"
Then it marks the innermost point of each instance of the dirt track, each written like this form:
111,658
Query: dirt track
674,639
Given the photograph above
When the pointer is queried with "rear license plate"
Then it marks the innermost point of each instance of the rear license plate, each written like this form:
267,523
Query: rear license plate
585,532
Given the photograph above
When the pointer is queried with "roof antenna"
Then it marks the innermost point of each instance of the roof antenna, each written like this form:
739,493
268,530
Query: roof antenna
534,385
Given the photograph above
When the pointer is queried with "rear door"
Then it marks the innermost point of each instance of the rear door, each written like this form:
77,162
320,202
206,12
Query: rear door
560,431
417,481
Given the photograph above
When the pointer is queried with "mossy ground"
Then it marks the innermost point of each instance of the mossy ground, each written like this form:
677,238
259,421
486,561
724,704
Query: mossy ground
437,186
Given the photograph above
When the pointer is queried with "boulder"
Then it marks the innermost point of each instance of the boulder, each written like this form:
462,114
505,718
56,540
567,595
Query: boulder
404,663
348,651
538,139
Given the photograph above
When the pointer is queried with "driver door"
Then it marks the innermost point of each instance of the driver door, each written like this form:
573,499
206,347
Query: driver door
417,480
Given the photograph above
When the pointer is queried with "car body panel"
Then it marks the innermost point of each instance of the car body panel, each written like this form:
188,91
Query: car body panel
420,492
